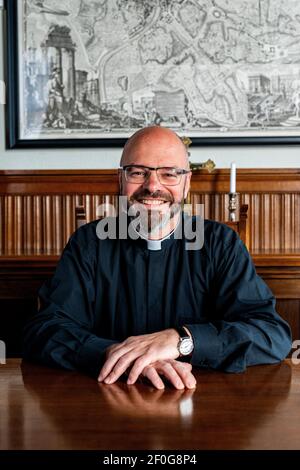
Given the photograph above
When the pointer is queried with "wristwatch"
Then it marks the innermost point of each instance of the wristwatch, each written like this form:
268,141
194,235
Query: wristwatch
185,345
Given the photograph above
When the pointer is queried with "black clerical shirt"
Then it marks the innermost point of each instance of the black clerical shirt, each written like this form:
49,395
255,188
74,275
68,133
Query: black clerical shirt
106,290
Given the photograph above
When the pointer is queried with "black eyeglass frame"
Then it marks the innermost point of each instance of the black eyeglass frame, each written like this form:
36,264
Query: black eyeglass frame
179,171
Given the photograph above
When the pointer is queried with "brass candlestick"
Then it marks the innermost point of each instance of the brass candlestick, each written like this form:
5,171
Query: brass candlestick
232,206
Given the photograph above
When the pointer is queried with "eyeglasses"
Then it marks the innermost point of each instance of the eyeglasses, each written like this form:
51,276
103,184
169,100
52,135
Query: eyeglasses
168,176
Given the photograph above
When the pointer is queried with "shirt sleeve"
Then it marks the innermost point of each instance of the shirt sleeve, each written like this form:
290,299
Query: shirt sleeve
245,328
60,334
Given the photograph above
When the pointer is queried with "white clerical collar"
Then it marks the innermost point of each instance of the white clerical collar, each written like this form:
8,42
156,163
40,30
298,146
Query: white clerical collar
155,245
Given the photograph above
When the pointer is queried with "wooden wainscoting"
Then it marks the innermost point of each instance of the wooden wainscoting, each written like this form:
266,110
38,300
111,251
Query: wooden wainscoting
37,208
37,216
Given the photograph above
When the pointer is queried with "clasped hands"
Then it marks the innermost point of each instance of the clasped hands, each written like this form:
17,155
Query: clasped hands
151,356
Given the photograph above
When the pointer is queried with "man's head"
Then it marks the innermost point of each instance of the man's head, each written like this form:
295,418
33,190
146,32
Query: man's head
162,194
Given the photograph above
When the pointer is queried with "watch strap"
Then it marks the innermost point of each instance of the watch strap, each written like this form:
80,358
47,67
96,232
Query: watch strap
182,332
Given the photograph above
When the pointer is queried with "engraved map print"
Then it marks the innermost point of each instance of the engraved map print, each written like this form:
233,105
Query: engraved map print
103,68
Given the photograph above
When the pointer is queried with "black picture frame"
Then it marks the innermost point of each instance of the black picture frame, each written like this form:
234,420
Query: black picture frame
14,141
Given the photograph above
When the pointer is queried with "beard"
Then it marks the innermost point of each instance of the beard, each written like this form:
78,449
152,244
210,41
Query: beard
152,221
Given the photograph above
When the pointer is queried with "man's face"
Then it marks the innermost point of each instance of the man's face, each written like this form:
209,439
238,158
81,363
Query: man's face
160,202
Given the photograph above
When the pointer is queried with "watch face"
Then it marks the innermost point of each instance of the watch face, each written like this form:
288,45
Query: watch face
186,346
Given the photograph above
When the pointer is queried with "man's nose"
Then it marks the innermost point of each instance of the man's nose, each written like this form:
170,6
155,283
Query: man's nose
152,182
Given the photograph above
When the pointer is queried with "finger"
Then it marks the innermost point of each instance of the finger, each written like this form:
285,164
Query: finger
121,366
153,376
185,374
171,374
138,367
111,360
185,365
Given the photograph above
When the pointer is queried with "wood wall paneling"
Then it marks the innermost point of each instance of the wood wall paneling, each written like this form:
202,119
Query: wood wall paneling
38,214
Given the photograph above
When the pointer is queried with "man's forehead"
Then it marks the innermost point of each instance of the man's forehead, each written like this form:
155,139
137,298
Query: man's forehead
148,164
165,149
150,159
160,143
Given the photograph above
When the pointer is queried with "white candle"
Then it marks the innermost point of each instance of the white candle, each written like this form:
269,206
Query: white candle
233,178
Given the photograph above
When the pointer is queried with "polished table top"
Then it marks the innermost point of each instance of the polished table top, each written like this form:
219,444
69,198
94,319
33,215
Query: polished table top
42,408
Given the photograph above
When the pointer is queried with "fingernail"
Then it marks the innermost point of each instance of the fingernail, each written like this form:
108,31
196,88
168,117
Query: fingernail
108,380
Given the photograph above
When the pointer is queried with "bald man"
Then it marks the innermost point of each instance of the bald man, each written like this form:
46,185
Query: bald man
145,305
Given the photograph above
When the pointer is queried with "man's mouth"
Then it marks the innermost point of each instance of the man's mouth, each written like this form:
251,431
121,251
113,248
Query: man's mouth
152,202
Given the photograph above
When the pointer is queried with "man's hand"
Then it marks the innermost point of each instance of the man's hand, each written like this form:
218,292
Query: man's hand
178,374
138,352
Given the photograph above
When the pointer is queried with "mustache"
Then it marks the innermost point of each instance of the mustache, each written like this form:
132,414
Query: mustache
144,193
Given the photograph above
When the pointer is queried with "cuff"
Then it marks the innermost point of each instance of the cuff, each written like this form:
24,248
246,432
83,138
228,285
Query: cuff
207,346
91,355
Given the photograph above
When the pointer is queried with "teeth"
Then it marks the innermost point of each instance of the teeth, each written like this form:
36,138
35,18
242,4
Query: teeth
152,202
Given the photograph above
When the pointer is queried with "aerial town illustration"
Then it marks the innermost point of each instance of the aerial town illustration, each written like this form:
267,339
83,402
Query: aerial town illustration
206,66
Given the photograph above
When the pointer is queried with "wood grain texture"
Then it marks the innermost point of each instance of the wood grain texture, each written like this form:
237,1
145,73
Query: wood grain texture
37,208
51,409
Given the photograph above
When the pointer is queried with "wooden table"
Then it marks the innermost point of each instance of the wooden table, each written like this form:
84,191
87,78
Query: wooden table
43,408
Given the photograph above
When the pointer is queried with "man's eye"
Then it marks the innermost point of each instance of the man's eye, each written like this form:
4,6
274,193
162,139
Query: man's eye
137,173
170,175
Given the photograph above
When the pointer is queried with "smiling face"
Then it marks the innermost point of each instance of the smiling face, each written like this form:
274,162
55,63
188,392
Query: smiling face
156,147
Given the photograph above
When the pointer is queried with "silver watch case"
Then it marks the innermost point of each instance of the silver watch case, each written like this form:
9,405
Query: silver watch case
185,346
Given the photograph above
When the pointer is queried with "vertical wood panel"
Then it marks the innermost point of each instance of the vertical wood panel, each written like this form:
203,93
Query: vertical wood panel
265,207
36,223
87,204
2,218
292,228
58,223
254,226
28,224
47,224
296,221
9,227
271,223
69,216
18,224
206,203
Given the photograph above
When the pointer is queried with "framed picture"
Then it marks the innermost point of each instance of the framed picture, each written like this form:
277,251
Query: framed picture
91,72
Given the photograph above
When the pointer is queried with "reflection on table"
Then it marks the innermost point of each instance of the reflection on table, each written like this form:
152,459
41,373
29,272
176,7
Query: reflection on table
44,408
